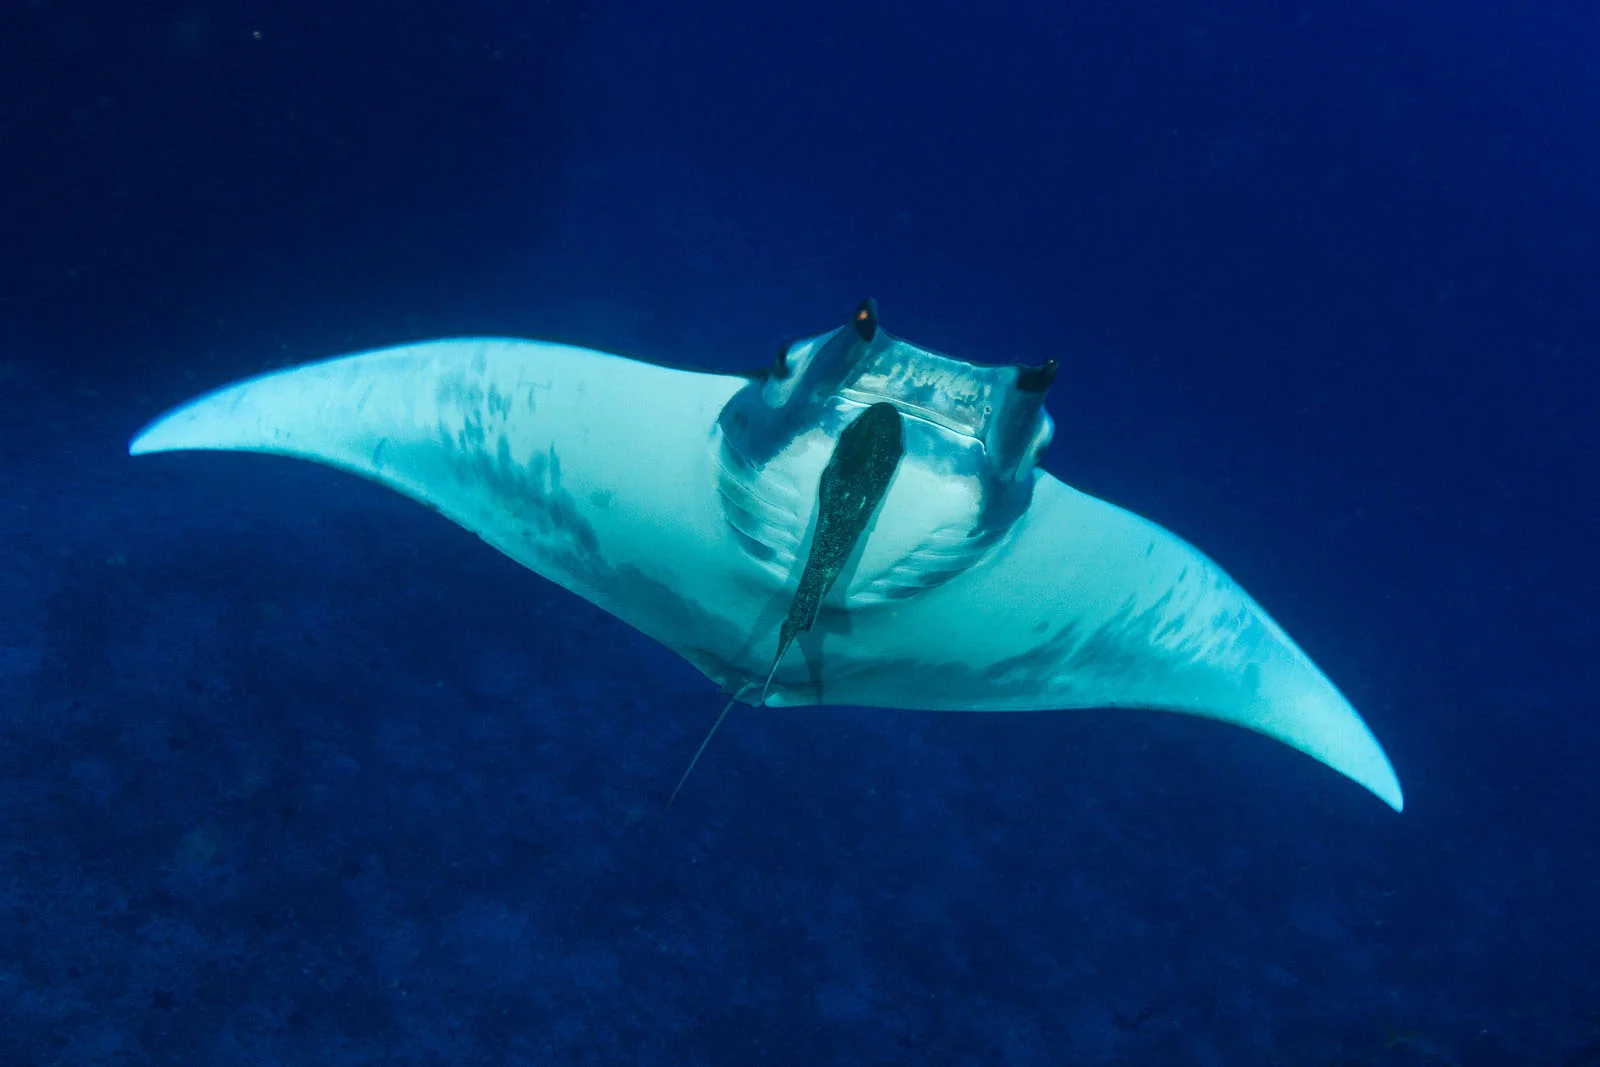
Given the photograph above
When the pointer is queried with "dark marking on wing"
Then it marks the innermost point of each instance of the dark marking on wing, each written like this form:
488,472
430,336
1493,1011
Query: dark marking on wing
1073,663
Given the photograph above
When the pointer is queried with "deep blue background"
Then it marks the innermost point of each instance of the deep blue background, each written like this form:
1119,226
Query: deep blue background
292,771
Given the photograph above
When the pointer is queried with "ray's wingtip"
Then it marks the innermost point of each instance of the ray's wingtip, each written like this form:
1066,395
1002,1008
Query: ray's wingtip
180,429
148,439
1379,779
1390,793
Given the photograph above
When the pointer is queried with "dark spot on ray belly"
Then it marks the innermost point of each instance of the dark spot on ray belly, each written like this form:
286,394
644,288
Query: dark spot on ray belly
567,550
465,396
532,492
1133,643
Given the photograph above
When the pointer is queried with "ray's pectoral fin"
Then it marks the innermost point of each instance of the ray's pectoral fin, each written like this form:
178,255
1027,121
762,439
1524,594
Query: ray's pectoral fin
848,495
537,448
1088,605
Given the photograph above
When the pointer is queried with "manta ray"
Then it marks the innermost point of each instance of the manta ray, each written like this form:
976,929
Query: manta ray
861,522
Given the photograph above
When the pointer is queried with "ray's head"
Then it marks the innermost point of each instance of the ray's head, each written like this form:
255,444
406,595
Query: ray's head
997,409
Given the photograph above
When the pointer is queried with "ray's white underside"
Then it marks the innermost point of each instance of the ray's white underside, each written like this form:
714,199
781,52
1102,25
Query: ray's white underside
607,476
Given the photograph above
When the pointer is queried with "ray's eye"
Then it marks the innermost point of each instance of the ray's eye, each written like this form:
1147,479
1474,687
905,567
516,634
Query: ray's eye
780,363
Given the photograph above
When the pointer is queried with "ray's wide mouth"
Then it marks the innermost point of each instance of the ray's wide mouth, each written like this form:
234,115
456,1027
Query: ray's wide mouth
913,410
950,393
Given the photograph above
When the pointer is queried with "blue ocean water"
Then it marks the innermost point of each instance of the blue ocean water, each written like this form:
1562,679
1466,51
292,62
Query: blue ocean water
294,771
